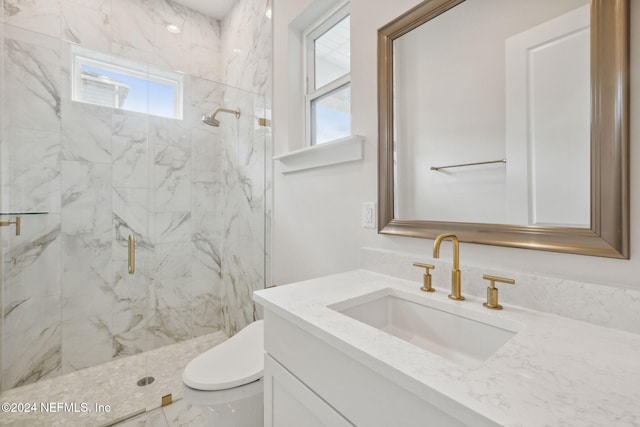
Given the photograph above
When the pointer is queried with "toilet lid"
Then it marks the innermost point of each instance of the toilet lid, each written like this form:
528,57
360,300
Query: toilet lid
232,363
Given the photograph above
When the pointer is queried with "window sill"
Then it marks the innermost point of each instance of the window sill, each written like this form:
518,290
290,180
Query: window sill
330,153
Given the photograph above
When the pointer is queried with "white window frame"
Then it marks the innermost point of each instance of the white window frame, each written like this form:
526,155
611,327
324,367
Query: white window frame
114,64
325,23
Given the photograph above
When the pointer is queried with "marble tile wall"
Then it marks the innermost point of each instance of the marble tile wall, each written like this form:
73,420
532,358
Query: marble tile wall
193,196
243,255
245,48
134,29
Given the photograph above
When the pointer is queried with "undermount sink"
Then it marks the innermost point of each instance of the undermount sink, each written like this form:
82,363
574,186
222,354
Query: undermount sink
462,336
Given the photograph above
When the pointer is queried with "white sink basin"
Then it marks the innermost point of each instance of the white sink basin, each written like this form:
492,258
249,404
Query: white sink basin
463,336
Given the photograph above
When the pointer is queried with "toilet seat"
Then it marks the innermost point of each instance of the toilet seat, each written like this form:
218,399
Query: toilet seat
235,362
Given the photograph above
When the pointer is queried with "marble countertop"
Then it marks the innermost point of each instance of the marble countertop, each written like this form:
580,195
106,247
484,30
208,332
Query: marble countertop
554,372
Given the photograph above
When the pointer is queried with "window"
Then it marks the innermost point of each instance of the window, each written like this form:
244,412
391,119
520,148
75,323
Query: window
119,83
328,66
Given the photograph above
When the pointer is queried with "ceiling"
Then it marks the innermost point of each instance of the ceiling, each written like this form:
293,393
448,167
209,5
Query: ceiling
215,8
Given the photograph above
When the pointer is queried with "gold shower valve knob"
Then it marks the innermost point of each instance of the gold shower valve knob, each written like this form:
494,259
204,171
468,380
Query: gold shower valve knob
492,291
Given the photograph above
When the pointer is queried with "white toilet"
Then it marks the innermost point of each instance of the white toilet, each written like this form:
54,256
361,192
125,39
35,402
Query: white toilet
226,381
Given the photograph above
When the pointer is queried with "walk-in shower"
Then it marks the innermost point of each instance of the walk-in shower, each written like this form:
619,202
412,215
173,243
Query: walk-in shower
211,118
114,163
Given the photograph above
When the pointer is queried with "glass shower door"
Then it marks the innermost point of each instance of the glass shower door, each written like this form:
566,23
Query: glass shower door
120,182
31,272
77,173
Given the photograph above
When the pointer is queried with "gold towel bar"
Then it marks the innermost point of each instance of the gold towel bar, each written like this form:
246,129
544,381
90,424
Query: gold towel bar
437,168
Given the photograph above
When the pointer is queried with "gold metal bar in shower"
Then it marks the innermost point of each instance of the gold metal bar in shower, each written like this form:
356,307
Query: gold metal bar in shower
437,168
132,254
7,222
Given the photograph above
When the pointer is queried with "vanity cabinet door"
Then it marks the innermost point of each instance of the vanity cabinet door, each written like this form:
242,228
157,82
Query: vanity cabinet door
288,402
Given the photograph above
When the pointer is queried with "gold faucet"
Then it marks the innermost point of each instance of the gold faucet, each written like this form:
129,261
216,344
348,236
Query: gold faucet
455,273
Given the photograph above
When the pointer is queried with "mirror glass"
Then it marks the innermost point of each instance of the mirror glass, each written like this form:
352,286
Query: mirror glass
506,122
492,115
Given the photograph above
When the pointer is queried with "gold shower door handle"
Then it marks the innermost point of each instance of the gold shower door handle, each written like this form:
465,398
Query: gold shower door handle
132,254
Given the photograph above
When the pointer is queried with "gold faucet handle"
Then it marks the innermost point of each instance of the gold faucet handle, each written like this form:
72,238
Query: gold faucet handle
426,277
492,291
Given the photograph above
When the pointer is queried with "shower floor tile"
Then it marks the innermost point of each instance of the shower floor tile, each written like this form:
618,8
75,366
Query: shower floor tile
80,398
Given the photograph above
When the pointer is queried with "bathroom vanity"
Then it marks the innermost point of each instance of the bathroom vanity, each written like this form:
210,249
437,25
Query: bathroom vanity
366,349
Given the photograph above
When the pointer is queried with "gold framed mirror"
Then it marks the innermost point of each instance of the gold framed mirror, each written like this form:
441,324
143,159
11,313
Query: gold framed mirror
607,233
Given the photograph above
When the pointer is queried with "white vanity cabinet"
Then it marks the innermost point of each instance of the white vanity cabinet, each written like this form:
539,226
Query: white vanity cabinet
311,383
288,402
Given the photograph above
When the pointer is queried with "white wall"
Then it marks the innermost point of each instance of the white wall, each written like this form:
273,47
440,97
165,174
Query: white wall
317,213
